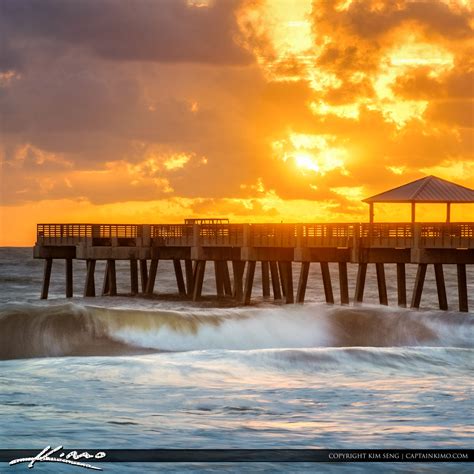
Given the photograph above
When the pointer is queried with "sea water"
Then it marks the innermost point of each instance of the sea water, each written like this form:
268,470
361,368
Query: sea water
132,372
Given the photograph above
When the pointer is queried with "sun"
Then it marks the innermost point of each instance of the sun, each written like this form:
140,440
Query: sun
306,161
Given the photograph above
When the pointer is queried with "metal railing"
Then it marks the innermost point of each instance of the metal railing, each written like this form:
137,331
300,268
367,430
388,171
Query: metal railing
377,235
174,235
396,235
62,234
453,235
272,235
221,235
326,235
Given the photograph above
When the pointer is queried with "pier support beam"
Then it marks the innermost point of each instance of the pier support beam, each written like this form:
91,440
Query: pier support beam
343,283
105,284
188,266
303,281
133,276
419,282
381,283
265,279
219,278
178,271
226,278
238,268
440,286
143,275
281,272
401,285
48,264
275,281
286,270
462,287
249,281
89,287
327,282
150,286
69,281
360,283
199,270
112,278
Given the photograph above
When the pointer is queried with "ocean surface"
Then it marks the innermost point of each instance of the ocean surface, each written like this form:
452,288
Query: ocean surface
134,372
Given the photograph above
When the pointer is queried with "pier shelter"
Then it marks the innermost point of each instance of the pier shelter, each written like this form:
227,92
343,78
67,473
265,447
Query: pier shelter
428,190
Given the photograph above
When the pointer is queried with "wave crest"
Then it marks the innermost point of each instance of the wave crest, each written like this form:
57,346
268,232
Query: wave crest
71,329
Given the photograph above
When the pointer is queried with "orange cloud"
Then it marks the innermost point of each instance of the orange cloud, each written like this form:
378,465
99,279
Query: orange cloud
255,109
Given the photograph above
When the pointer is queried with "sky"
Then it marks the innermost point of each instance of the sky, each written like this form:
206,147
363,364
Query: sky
257,110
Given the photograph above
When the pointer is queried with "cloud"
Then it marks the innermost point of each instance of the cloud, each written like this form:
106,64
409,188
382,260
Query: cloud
107,102
137,30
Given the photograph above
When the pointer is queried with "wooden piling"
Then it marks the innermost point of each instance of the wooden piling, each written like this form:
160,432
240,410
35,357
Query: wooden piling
462,287
133,276
360,283
401,285
265,279
69,281
303,281
327,282
143,274
48,264
440,286
343,283
150,286
419,282
238,268
199,271
178,271
89,287
249,282
188,266
381,283
275,281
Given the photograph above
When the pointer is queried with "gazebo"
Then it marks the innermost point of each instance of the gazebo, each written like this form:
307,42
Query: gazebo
429,189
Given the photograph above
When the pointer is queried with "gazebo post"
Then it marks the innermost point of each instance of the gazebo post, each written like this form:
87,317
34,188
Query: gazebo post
371,212
448,212
413,212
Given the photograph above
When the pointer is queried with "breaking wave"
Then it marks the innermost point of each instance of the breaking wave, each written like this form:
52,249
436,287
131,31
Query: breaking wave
76,330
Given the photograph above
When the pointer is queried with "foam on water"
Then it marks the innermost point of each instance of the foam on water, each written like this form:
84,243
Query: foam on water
175,374
70,329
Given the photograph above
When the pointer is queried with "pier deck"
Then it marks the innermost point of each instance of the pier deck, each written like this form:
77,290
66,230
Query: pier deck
276,246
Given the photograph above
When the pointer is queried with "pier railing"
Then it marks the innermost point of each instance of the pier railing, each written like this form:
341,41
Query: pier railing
344,235
453,235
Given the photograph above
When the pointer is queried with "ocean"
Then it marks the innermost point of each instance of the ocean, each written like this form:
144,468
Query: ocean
133,372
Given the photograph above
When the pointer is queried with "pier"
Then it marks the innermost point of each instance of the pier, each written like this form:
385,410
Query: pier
234,250
197,243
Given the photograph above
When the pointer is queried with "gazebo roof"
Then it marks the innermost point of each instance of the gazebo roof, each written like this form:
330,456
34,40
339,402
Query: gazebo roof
429,189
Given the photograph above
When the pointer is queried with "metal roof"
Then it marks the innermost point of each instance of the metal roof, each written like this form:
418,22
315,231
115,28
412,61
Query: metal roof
428,189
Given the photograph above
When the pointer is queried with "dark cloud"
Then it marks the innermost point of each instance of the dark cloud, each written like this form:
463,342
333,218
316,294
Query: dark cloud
455,112
419,84
139,30
372,19
103,82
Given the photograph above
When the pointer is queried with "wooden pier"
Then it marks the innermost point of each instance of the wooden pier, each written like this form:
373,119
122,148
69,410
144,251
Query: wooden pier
199,243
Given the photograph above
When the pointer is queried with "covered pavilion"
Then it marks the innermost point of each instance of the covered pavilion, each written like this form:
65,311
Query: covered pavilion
429,189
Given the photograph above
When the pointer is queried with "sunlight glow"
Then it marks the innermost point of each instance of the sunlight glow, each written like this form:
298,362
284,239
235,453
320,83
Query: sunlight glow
314,153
